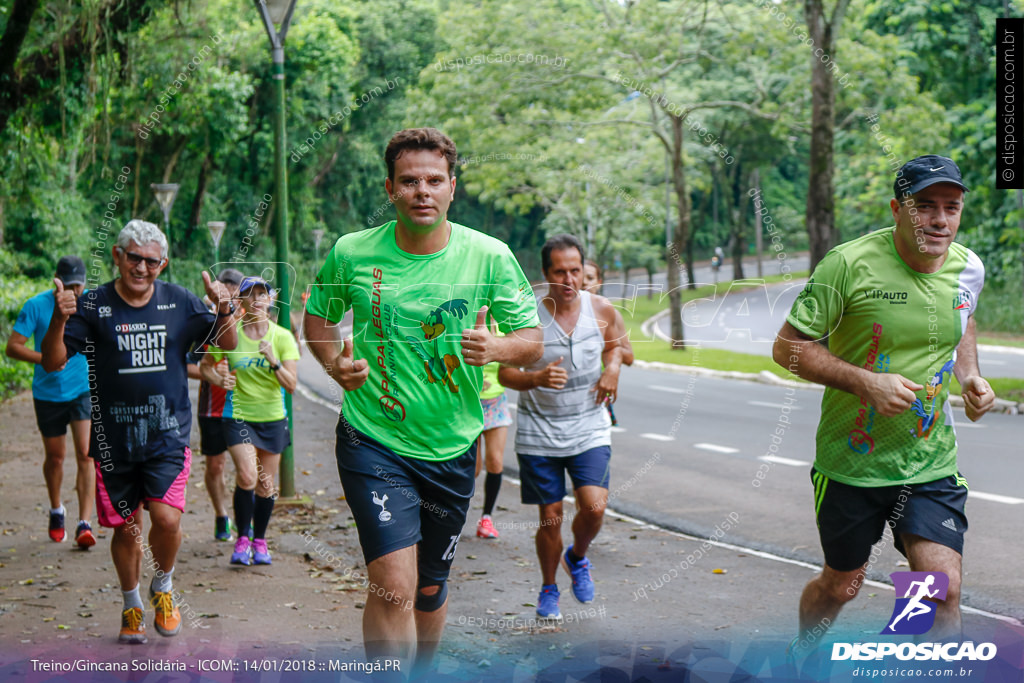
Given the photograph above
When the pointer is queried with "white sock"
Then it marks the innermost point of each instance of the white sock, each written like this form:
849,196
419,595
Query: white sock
162,582
132,599
59,510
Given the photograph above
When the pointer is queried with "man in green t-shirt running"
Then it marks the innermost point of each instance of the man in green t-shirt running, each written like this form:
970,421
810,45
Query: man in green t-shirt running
420,289
896,308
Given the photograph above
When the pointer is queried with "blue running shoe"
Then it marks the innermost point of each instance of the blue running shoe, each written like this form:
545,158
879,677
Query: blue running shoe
547,602
243,551
582,584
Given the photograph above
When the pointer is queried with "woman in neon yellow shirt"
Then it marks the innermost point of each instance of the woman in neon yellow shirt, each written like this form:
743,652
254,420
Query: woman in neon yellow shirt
497,420
262,368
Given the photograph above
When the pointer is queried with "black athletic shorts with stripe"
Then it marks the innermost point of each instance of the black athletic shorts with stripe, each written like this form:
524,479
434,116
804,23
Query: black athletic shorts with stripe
851,519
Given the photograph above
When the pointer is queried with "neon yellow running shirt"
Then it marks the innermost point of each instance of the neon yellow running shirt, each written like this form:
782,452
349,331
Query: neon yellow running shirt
882,315
421,399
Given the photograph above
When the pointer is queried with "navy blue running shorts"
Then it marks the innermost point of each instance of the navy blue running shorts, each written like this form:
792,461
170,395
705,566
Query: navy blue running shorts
543,477
399,502
53,417
851,519
211,436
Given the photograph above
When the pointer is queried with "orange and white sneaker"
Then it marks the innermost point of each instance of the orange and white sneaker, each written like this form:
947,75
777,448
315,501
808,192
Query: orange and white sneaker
133,630
168,618
485,528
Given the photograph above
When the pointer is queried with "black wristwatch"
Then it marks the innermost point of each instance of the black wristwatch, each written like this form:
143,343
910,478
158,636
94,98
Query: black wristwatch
231,311
275,368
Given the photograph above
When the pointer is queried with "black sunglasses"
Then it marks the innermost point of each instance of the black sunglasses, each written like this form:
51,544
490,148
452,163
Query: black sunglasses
135,259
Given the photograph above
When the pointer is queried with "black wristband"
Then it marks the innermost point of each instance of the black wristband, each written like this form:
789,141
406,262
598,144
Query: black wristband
231,310
275,368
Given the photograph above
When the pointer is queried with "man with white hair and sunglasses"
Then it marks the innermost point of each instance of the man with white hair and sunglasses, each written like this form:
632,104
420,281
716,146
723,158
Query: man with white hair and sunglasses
135,332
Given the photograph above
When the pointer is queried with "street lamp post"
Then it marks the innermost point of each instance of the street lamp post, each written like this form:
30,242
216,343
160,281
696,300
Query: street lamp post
318,234
216,232
165,196
277,17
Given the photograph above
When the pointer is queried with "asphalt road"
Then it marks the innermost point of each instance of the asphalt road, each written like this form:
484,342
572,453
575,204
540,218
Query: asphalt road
688,452
747,322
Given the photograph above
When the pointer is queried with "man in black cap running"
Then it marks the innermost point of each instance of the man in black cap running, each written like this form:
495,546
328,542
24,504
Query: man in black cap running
897,306
61,398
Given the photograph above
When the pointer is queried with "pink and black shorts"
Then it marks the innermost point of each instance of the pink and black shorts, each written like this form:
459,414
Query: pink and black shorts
122,486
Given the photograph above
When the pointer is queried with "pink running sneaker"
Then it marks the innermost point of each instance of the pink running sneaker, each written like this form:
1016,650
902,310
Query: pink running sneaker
485,528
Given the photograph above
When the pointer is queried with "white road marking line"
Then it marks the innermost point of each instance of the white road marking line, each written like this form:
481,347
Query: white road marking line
995,498
671,390
784,461
971,425
716,448
767,404
618,430
657,437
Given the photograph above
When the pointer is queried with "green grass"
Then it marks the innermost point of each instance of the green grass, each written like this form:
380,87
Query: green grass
1001,339
1008,388
640,309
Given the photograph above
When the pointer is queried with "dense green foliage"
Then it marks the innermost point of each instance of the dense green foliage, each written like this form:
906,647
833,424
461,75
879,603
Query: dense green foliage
562,110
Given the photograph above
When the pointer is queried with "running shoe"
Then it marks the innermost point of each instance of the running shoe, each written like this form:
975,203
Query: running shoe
222,529
485,528
260,554
133,630
547,602
168,618
243,551
582,584
84,537
57,533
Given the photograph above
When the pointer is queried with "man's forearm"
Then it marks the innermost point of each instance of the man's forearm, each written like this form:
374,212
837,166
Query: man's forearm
521,347
814,363
520,380
967,354
54,353
226,332
322,339
612,358
23,353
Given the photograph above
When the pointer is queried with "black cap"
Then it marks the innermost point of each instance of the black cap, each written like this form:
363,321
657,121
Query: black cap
925,171
230,276
71,270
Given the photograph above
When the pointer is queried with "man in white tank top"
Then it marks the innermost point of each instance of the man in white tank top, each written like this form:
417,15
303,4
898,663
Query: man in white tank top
562,422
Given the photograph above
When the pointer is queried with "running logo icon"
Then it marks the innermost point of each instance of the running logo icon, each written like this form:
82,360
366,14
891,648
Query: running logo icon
912,614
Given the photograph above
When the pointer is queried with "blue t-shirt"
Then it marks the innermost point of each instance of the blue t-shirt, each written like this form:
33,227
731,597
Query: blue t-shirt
137,359
62,385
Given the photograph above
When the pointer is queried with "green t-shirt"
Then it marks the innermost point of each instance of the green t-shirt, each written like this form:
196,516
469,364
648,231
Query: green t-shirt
492,387
257,396
881,315
421,400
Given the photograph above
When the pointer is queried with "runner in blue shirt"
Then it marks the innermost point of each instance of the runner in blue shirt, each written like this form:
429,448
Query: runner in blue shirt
61,398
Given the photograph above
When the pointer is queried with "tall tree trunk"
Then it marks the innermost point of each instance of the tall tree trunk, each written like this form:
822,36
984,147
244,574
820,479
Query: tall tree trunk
682,231
820,215
18,23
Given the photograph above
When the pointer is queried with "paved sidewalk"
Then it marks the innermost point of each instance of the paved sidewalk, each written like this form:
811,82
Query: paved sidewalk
665,603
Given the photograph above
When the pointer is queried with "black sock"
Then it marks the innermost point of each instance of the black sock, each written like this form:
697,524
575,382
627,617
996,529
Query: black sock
244,504
573,557
492,484
261,516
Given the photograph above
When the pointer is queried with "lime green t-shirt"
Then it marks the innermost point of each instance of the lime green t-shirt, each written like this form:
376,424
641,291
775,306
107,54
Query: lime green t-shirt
492,387
257,396
881,315
421,400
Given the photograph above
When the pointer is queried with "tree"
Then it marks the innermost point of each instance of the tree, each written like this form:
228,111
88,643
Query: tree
824,27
